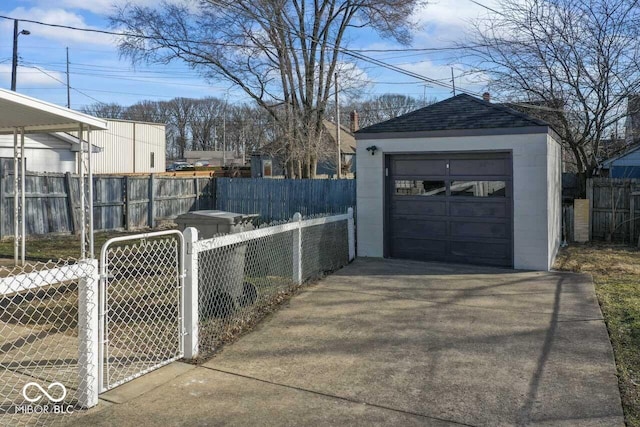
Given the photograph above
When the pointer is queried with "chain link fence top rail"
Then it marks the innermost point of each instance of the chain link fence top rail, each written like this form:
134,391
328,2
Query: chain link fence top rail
40,375
142,296
239,283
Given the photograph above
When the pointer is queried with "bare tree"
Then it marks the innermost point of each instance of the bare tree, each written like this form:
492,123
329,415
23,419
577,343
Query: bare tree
570,62
204,120
382,107
179,113
105,110
282,53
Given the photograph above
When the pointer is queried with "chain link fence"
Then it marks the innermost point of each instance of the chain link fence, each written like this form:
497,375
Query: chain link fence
61,343
141,296
324,249
41,378
242,277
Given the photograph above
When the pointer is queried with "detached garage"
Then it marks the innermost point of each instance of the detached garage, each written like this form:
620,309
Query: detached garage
462,181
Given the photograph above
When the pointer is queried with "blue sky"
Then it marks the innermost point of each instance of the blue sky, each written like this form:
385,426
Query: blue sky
98,74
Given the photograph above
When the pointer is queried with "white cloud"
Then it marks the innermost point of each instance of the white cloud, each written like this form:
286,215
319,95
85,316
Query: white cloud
27,76
455,13
57,16
100,7
443,22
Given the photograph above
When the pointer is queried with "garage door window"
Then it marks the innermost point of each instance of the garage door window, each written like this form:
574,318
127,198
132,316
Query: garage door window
478,188
420,188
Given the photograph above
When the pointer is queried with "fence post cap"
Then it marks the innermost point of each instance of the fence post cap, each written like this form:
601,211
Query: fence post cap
297,216
350,212
191,234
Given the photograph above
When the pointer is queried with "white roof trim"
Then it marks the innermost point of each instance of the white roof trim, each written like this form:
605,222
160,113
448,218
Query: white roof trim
36,116
75,142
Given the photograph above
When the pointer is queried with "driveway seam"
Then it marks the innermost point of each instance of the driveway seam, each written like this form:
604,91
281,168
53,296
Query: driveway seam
333,396
428,301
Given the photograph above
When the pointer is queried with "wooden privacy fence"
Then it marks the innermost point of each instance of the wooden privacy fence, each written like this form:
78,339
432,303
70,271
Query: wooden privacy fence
141,201
615,209
277,199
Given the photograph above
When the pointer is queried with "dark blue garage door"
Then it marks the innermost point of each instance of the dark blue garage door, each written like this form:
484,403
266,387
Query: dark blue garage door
450,207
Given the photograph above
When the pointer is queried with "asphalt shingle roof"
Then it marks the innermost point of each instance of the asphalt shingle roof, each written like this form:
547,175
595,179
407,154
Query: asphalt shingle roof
460,112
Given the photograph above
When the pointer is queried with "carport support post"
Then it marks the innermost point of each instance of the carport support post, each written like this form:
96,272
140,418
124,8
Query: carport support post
190,335
297,249
16,203
83,197
23,201
351,231
88,339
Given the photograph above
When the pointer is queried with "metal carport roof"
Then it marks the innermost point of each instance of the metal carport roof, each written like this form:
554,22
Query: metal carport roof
19,111
21,114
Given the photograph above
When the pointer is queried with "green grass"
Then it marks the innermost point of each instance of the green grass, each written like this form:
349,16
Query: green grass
616,273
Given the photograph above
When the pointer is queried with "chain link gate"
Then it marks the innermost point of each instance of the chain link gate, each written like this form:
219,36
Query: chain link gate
141,305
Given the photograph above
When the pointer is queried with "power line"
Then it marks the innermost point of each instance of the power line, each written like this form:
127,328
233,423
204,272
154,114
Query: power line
349,52
486,7
60,81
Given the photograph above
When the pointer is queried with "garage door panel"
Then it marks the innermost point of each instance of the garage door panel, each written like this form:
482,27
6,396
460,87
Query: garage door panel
482,167
410,228
463,216
479,209
479,229
419,167
420,249
419,207
480,249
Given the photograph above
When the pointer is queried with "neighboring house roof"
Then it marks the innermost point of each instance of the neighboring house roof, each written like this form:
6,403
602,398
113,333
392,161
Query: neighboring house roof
461,112
347,140
208,155
607,163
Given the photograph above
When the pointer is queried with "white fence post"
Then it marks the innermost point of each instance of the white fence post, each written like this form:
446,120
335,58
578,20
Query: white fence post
297,249
88,359
190,294
351,231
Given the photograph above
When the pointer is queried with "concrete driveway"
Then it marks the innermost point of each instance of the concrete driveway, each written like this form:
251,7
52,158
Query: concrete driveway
403,343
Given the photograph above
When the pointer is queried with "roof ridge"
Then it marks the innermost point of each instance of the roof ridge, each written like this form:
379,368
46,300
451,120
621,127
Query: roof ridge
452,113
508,110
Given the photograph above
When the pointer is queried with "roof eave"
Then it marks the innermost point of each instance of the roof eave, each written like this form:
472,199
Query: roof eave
44,117
449,133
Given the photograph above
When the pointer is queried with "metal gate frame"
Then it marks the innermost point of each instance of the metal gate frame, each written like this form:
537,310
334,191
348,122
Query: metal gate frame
102,309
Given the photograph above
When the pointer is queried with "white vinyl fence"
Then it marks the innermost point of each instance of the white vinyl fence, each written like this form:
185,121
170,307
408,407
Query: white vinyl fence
69,330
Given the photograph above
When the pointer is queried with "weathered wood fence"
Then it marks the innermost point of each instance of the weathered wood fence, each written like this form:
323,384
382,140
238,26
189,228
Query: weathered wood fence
277,199
135,202
614,210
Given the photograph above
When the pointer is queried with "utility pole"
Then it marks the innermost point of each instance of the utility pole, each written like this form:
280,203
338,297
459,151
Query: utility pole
453,82
224,137
244,147
14,64
339,163
68,87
